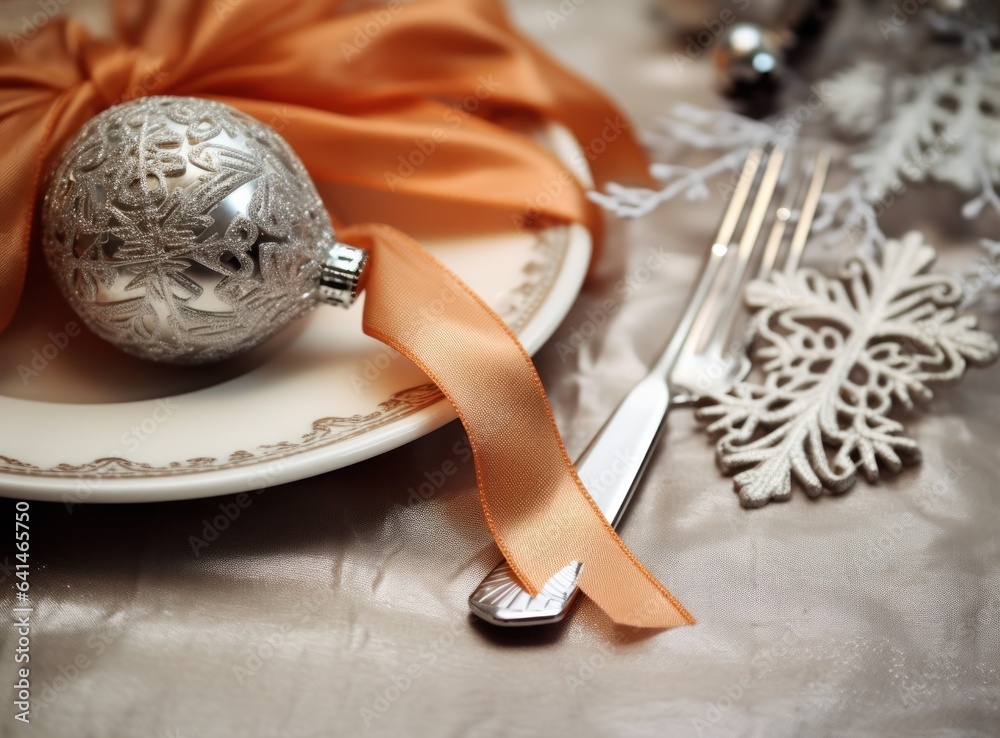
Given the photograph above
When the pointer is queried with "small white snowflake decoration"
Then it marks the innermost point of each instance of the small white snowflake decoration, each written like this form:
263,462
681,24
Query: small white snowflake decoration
837,354
942,125
982,276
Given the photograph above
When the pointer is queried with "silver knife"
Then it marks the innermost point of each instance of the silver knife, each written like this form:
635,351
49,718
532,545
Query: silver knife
610,469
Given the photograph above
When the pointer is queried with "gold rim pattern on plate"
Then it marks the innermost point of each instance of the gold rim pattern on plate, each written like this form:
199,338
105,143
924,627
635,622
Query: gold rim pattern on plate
517,308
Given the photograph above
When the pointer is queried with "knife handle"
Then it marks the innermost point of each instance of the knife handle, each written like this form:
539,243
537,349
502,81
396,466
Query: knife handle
610,469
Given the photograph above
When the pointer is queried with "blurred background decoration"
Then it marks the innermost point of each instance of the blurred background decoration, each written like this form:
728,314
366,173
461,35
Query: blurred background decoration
908,89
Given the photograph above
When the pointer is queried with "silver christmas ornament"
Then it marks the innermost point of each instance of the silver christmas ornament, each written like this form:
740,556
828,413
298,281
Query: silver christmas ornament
184,231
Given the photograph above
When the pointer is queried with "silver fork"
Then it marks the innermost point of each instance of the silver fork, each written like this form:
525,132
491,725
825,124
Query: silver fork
707,354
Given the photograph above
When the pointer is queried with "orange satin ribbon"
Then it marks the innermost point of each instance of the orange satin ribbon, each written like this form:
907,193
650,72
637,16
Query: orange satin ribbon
401,111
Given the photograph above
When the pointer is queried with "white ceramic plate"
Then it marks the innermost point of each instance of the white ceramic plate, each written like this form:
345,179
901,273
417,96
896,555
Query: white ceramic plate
81,422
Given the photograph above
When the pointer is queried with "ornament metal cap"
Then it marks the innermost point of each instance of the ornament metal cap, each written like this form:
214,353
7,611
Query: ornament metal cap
342,274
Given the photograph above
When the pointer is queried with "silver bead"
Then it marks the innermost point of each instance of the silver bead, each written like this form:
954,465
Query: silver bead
183,231
749,55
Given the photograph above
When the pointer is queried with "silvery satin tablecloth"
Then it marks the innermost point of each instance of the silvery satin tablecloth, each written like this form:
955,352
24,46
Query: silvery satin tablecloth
337,605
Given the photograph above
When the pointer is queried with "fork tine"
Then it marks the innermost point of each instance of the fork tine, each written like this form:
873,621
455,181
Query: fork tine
808,212
731,289
718,271
794,184
800,200
741,195
693,322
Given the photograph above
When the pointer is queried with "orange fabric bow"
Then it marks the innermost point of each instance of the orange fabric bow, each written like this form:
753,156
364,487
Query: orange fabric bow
406,112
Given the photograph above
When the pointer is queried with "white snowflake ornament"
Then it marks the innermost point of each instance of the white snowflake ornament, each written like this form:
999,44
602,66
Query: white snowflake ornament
837,355
943,125
982,276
